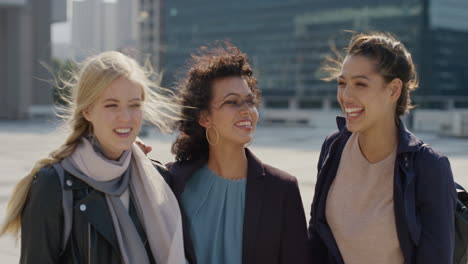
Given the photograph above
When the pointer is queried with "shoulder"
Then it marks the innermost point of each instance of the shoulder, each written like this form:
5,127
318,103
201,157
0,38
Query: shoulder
434,182
175,167
332,136
430,159
327,143
159,166
183,169
45,193
433,170
162,169
47,180
280,177
428,152
282,186
169,165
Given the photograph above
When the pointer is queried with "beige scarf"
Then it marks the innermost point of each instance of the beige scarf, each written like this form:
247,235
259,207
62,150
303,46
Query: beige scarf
159,209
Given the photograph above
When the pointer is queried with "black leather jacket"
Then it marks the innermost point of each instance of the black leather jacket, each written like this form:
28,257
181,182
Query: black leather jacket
92,239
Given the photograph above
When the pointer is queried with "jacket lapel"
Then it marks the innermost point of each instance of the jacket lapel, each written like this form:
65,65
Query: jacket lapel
331,164
253,206
94,208
181,173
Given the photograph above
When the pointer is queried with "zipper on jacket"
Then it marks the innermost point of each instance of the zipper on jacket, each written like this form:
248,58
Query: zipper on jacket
89,243
89,234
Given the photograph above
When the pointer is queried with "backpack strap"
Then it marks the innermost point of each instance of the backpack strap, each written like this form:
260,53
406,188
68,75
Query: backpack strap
67,204
459,187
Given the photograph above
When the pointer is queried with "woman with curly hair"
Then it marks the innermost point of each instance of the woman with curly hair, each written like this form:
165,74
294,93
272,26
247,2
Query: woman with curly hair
236,209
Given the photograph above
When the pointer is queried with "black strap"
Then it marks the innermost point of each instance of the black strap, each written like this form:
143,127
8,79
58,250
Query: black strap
459,187
67,201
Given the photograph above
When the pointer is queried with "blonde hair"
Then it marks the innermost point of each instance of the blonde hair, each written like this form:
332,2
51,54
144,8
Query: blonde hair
86,85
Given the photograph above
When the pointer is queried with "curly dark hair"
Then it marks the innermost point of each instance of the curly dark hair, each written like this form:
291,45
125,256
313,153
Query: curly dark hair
195,94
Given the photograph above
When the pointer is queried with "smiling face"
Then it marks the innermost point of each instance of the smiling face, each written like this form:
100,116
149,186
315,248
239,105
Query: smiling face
117,116
365,98
233,111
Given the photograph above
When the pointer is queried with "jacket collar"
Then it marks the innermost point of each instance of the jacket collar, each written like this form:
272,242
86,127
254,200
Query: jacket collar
255,166
407,142
254,198
183,170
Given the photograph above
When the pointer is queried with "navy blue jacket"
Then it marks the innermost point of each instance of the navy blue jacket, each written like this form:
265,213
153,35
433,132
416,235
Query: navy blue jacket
424,201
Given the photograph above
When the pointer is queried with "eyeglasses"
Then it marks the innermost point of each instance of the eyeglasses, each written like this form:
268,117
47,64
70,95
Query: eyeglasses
251,102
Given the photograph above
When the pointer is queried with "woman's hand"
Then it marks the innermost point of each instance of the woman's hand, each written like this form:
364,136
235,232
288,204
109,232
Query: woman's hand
143,147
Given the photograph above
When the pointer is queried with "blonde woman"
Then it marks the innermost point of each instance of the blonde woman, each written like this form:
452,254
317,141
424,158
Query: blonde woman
122,209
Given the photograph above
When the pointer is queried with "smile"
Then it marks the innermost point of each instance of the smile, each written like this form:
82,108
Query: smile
122,131
244,124
354,111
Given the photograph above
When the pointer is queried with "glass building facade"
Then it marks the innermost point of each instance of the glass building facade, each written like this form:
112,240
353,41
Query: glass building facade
449,54
287,41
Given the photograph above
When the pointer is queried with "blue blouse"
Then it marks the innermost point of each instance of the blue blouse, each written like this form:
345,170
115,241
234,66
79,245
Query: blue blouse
215,211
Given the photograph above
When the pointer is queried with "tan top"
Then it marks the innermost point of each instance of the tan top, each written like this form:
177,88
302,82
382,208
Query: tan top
360,210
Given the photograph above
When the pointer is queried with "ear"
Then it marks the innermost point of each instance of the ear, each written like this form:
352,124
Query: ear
87,114
395,87
204,120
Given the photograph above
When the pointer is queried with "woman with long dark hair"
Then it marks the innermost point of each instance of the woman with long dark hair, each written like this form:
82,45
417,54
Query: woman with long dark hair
382,195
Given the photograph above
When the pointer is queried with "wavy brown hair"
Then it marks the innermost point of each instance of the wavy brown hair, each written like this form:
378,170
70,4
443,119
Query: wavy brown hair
195,94
392,60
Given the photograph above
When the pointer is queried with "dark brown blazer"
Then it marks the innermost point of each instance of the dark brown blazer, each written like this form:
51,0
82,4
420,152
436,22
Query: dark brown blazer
275,229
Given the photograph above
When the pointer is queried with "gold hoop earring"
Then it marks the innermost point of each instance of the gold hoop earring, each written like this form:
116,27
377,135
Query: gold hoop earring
208,138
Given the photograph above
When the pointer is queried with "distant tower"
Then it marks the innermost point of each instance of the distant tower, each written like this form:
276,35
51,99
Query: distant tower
128,25
25,45
99,25
93,27
151,31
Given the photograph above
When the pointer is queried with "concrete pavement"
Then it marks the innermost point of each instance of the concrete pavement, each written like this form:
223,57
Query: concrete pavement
292,149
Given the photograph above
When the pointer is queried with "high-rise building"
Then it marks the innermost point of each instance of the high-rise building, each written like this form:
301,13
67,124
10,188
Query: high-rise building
449,41
100,25
287,41
93,27
128,24
152,41
24,49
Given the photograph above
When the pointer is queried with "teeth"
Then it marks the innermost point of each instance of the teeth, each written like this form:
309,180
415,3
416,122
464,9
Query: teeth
351,110
244,123
122,130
